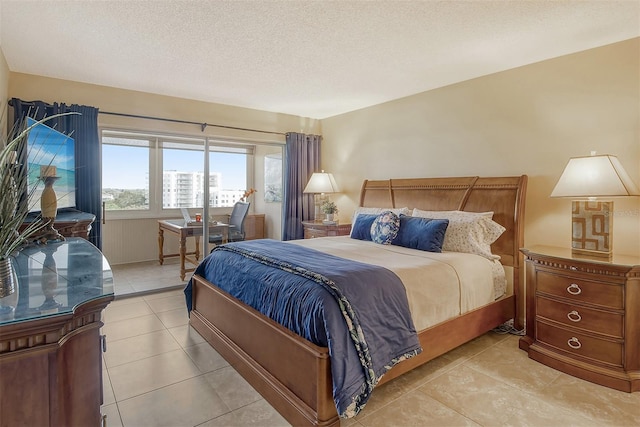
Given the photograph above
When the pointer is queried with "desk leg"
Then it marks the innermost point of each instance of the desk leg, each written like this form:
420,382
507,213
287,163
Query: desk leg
160,245
183,254
197,247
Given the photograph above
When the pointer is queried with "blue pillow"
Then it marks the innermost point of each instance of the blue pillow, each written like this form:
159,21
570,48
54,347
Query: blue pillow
361,229
385,228
421,233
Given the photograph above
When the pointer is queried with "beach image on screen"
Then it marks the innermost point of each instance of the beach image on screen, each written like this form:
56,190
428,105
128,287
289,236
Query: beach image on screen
51,151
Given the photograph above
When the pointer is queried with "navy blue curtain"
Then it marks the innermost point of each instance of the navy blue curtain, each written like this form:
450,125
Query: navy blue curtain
302,159
83,129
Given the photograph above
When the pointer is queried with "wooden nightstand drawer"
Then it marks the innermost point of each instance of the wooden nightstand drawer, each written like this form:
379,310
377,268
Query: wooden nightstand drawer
576,343
310,233
579,290
600,321
313,229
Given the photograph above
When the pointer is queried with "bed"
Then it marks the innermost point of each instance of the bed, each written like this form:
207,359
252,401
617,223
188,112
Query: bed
301,388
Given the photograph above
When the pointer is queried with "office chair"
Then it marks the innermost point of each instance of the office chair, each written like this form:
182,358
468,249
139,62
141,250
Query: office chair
236,224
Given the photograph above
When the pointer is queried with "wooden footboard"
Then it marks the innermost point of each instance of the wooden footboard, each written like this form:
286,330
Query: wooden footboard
291,373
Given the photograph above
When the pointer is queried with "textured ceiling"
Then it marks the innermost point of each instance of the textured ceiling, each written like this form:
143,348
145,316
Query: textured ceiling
308,58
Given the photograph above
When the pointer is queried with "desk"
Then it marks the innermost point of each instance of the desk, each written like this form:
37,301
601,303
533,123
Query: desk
178,226
50,346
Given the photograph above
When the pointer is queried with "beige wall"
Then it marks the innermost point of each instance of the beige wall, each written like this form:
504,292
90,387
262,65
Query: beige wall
528,120
4,90
136,240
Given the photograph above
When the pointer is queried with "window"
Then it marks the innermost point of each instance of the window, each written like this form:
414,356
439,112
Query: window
154,173
125,173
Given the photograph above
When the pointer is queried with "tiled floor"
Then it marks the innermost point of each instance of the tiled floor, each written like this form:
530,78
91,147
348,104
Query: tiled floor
147,277
160,372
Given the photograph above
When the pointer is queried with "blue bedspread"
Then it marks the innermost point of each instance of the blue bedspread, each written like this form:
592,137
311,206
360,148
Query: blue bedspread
359,311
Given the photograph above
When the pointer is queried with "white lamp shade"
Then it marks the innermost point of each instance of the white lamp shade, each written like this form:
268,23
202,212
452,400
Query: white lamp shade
595,176
321,182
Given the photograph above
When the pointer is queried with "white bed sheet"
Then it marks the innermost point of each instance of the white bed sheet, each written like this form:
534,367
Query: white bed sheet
439,286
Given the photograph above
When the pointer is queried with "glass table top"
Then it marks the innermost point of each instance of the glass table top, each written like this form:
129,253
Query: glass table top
54,278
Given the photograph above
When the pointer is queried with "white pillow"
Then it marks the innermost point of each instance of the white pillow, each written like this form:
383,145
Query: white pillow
469,232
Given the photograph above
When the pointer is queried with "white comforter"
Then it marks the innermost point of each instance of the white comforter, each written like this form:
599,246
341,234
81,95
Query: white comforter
439,286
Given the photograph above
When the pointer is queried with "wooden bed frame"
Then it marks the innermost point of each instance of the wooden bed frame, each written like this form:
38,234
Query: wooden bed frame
293,374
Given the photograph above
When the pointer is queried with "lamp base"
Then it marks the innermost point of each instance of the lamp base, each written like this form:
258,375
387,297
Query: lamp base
591,228
593,255
48,233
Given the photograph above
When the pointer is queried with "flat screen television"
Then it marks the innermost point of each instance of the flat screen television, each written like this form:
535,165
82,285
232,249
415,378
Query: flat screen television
51,152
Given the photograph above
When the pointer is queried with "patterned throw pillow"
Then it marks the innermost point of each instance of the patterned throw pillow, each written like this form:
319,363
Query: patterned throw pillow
385,228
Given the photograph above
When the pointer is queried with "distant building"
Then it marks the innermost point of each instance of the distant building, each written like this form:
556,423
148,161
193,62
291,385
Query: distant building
186,190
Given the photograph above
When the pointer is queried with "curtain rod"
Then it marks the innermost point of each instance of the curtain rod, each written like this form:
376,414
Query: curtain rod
203,126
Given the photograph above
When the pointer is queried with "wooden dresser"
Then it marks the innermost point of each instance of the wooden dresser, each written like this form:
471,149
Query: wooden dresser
583,315
50,342
314,229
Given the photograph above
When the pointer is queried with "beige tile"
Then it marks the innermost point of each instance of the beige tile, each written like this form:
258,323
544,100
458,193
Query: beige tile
420,375
167,303
128,328
232,388
107,391
123,289
350,422
474,347
173,318
187,403
505,362
409,381
126,299
112,414
414,409
186,336
490,402
258,414
145,375
116,311
139,347
603,404
164,294
152,285
205,357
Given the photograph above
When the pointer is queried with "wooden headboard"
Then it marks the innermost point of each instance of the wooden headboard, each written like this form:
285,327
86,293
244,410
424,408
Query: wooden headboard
504,196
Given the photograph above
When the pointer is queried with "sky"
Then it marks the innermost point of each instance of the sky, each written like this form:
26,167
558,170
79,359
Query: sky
127,167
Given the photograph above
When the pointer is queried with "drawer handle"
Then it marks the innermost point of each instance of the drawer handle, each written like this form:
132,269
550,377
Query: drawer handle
574,343
574,316
574,289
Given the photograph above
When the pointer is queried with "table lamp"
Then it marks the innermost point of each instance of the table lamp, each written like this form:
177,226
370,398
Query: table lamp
590,179
320,184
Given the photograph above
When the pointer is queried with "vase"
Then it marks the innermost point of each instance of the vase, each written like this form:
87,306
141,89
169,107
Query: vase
8,290
49,200
329,217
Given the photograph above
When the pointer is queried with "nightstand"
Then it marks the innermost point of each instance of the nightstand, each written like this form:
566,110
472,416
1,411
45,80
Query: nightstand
318,229
583,315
